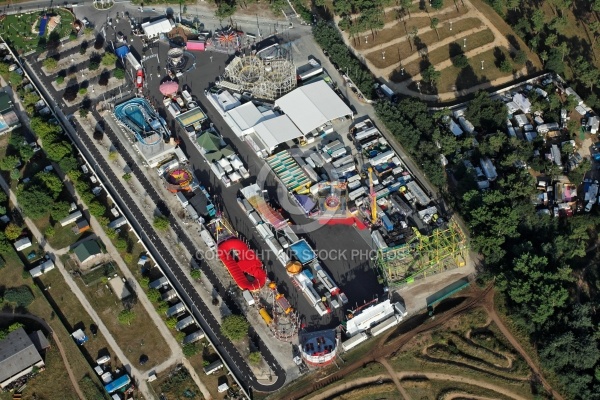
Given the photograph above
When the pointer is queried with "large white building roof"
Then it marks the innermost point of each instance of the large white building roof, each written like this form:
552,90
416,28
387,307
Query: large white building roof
277,130
246,116
311,106
157,27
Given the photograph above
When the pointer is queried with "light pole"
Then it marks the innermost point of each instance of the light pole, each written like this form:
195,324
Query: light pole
450,25
465,42
402,71
481,64
366,37
383,55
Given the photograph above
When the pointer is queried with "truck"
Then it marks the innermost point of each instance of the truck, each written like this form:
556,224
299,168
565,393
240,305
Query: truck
187,96
248,297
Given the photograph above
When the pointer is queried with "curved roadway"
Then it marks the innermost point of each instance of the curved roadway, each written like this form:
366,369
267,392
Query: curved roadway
161,254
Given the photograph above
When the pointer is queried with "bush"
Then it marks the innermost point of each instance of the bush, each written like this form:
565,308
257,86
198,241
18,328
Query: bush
121,244
83,112
96,208
506,66
12,231
21,295
93,66
49,232
15,174
161,223
254,358
126,317
14,326
154,295
171,322
109,59
195,273
73,36
520,57
191,349
119,73
127,176
50,63
82,91
234,327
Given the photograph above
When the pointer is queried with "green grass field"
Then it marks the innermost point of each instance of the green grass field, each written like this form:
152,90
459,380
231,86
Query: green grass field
17,29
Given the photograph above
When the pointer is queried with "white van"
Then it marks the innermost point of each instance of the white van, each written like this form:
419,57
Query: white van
103,360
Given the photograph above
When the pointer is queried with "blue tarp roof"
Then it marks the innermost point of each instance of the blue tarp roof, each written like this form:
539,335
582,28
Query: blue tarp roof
117,384
122,51
302,251
305,202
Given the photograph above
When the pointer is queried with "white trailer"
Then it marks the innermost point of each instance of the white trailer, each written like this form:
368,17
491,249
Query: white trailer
354,341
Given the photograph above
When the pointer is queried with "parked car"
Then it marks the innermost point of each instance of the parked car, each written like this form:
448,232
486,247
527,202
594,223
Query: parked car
139,80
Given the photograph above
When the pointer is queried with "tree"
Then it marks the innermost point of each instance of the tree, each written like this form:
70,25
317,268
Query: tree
83,112
161,223
460,61
234,327
96,208
26,152
486,113
82,91
59,79
126,317
15,174
224,10
195,273
551,40
537,19
68,164
506,66
8,163
431,76
57,150
113,155
255,358
434,25
538,287
51,181
109,59
595,28
437,4
119,73
50,63
20,295
121,244
162,307
190,349
12,231
94,65
127,176
406,5
35,201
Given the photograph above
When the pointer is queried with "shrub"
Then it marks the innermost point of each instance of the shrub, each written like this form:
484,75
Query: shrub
73,36
93,66
109,59
161,223
195,273
520,57
234,327
15,174
171,322
254,357
119,73
144,282
127,176
49,232
12,231
83,112
82,91
506,66
21,295
126,317
121,244
153,295
191,349
50,63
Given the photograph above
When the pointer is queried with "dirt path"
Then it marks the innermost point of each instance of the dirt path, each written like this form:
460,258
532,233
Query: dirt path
420,14
394,377
390,349
457,378
63,355
59,345
489,308
347,386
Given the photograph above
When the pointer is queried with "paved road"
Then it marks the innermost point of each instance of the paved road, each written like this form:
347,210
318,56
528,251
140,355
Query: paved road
137,375
162,255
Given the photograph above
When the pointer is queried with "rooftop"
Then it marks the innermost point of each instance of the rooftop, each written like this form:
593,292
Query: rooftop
17,353
87,249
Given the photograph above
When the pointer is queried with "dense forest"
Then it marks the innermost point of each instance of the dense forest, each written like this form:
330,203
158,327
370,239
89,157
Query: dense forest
545,267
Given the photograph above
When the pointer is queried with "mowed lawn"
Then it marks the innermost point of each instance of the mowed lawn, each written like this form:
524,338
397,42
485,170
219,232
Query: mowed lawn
395,53
439,55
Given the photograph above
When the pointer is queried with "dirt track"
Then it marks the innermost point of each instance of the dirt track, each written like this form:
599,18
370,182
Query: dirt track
478,298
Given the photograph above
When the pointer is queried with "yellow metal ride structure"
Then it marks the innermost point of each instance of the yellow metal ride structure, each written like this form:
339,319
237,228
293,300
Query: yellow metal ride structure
373,197
422,256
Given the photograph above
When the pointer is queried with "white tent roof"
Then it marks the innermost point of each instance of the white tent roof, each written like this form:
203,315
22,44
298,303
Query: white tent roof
246,116
154,28
311,106
276,130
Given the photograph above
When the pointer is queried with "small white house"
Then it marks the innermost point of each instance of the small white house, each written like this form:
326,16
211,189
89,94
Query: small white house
22,244
41,269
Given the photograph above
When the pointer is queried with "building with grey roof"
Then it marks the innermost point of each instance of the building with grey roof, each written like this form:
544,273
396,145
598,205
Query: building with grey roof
18,357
